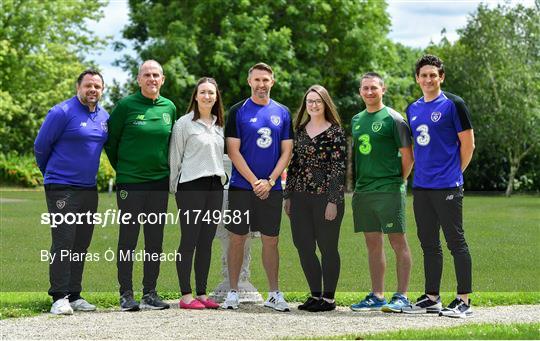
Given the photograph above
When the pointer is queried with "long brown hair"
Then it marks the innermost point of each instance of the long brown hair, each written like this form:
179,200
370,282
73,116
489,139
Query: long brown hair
330,111
217,108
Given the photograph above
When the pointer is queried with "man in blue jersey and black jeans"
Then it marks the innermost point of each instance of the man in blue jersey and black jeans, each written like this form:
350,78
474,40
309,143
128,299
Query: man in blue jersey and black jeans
259,143
444,144
67,149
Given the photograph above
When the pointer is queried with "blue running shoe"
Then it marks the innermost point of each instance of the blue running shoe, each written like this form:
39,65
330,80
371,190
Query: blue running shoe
396,304
371,302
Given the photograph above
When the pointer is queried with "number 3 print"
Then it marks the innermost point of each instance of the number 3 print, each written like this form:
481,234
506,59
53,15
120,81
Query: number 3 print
265,140
423,138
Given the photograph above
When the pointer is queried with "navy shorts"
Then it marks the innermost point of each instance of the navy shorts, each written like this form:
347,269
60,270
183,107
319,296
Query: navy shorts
264,215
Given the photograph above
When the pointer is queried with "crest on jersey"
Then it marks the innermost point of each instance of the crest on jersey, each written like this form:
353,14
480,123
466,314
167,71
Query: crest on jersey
376,126
167,118
275,119
436,116
60,204
104,126
123,194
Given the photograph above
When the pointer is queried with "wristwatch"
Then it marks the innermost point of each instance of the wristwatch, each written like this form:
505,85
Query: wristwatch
271,181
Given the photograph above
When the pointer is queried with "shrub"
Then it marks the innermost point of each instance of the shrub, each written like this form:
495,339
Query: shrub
19,170
22,170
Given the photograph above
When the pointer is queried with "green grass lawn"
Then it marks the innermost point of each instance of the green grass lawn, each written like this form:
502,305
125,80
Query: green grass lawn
503,235
487,331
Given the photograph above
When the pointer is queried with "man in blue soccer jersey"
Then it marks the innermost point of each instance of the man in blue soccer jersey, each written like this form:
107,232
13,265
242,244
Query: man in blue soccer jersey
444,143
67,150
259,143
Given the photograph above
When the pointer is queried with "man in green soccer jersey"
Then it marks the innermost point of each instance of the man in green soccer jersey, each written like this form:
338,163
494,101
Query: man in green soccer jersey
138,147
383,161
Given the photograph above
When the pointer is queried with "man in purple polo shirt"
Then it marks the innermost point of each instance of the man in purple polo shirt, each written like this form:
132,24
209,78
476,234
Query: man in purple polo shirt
67,150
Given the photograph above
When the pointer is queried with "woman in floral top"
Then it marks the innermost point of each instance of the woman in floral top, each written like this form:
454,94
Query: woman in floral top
314,194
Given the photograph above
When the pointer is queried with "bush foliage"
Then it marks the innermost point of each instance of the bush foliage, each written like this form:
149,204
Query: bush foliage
22,170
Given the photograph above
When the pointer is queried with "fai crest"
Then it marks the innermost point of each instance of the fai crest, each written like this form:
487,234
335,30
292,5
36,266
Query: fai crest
104,126
275,119
376,126
167,118
123,194
60,204
436,116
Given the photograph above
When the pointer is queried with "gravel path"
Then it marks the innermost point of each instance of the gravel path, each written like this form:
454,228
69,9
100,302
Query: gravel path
248,322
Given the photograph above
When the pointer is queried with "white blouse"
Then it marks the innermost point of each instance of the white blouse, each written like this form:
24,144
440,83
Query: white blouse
195,151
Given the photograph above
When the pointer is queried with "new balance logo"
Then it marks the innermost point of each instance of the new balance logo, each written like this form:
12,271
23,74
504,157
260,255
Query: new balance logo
253,120
450,197
83,124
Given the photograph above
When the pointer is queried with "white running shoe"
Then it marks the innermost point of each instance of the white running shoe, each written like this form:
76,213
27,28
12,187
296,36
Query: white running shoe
82,305
457,309
277,302
61,307
232,301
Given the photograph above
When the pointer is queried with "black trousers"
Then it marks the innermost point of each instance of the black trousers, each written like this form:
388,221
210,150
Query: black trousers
147,199
442,208
309,229
70,242
198,230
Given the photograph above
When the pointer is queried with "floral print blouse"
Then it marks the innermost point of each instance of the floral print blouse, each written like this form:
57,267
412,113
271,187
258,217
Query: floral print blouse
318,164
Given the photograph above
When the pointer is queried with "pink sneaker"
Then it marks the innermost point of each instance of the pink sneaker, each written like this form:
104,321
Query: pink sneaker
194,304
208,303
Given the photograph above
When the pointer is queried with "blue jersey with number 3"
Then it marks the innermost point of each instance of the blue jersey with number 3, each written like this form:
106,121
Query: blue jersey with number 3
260,128
435,126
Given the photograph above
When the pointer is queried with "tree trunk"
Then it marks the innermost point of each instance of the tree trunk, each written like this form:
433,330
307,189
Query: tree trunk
513,171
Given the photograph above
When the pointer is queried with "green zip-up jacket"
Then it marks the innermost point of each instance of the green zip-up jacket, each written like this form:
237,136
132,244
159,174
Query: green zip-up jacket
139,133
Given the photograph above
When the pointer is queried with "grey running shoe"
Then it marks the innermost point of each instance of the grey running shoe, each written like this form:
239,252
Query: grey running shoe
423,305
232,300
82,305
127,302
277,302
457,309
153,301
61,307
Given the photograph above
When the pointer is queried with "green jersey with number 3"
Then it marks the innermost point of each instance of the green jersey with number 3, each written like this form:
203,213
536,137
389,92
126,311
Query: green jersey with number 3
377,138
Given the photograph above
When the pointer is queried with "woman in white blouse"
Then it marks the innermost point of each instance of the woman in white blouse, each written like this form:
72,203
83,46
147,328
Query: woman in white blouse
196,163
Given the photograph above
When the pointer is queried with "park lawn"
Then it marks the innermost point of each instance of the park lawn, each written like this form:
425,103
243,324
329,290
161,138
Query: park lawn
503,235
483,331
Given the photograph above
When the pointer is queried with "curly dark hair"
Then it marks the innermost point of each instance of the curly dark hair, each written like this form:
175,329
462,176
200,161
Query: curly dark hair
430,59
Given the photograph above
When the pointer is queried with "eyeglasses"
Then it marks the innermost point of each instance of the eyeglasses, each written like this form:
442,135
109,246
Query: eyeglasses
314,101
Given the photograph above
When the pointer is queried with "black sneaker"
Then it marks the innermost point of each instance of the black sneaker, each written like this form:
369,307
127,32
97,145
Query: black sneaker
127,303
457,309
322,305
308,303
423,305
152,301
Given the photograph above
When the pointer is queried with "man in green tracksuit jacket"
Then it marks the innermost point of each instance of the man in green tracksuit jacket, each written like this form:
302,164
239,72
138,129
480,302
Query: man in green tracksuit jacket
139,130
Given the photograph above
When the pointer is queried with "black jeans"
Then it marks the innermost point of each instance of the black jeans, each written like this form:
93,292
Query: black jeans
198,230
146,200
442,208
309,228
69,241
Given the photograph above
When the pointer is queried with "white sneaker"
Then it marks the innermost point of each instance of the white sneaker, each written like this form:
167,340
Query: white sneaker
82,305
232,301
61,307
276,301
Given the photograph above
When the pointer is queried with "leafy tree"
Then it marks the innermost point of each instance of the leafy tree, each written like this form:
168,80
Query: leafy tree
329,42
42,44
495,66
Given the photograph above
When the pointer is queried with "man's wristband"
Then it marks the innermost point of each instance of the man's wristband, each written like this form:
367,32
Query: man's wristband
271,181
